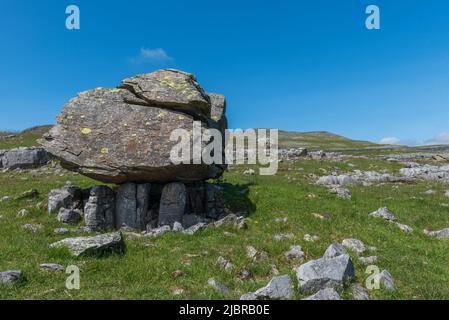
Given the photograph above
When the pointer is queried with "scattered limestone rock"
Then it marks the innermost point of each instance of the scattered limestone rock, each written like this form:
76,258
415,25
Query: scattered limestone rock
334,250
368,260
274,270
69,216
244,275
68,197
221,289
10,277
430,192
279,237
310,238
230,219
61,231
383,213
195,228
404,228
322,216
249,172
342,193
295,253
354,245
156,232
23,213
325,273
281,220
439,234
447,194
325,294
51,267
32,227
178,292
28,194
177,227
84,246
5,199
385,280
225,264
359,293
279,288
255,255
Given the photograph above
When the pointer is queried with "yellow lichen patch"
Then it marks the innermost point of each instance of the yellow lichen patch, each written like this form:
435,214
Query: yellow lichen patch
83,116
86,130
115,90
134,135
125,124
181,117
147,123
70,117
161,115
215,118
104,150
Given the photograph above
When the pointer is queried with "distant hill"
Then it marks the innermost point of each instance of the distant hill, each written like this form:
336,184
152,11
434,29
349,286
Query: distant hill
25,138
320,140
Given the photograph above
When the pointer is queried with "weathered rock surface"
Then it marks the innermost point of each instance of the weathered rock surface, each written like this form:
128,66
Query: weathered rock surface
295,253
84,246
132,205
69,216
383,213
99,211
325,273
334,250
173,204
355,245
51,267
23,158
221,289
279,288
123,135
439,234
10,277
359,293
325,294
68,197
385,280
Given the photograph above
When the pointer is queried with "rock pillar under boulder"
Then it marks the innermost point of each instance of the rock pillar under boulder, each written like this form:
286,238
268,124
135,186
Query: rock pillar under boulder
100,209
173,203
132,205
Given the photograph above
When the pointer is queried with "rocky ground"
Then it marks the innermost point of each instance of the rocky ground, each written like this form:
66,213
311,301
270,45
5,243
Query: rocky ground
310,232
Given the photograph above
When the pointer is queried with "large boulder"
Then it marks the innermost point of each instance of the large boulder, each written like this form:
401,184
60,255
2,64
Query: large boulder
23,158
69,197
123,135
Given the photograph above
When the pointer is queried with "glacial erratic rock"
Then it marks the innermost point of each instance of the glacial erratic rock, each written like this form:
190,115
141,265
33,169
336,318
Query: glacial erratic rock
86,246
124,135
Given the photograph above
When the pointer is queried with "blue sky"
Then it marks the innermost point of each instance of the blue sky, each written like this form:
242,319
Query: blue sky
294,65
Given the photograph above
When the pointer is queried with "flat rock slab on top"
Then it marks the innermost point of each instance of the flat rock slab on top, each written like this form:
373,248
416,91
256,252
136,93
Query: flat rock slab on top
172,89
101,136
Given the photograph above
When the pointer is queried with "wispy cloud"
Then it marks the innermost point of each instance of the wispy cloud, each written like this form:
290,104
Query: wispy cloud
146,55
442,138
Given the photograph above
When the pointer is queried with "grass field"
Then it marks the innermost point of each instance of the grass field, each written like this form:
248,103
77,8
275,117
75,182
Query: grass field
418,264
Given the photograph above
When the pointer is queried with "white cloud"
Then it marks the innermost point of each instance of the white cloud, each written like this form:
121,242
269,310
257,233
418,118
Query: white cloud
390,140
157,55
442,138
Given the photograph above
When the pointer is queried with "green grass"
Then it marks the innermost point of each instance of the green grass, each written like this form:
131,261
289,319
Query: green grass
418,263
26,138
